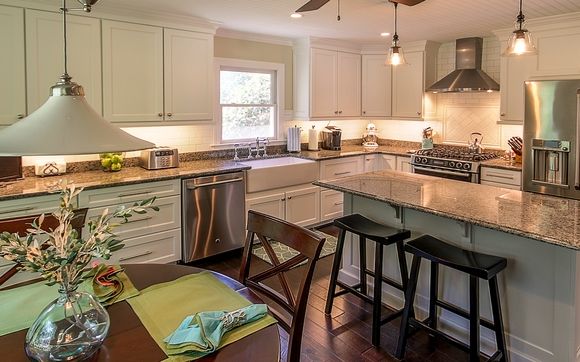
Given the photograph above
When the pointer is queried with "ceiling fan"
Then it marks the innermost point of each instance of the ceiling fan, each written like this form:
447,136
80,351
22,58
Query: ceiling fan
317,4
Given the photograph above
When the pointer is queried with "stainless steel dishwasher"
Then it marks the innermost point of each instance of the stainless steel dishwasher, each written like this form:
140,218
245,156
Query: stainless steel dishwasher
213,214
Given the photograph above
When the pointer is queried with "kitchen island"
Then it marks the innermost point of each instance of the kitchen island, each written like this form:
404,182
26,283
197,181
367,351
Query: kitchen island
538,234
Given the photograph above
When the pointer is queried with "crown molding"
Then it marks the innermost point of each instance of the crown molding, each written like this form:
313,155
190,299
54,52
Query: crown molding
261,38
112,11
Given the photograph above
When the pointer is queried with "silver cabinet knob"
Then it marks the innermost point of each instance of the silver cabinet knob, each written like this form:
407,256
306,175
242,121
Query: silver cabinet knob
335,112
160,114
339,112
169,114
19,116
418,113
364,112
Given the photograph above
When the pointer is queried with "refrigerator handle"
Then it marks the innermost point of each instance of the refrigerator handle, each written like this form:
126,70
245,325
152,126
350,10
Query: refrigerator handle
576,148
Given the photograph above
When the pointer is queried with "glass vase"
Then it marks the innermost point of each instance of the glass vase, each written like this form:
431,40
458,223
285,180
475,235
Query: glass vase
72,327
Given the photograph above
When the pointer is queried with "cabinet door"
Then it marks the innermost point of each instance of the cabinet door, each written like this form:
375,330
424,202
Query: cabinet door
408,87
331,204
132,72
371,163
45,62
376,86
188,75
388,162
514,71
349,84
303,206
323,83
404,164
12,74
272,204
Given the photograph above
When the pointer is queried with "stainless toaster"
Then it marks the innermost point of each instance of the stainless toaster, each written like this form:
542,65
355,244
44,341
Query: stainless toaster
159,157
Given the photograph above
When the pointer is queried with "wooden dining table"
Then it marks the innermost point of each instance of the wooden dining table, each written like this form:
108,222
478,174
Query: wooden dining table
128,340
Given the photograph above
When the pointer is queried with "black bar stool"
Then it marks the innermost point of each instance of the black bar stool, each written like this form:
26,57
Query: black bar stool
382,235
478,266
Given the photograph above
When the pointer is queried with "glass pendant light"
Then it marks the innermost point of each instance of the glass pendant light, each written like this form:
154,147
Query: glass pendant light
66,124
396,56
520,41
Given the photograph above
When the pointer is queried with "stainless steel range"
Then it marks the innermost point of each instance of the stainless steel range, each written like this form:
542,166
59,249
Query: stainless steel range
451,163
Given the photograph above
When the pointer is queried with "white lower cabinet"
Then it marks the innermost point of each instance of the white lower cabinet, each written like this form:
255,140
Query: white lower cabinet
154,237
297,204
331,204
509,179
387,162
341,167
404,164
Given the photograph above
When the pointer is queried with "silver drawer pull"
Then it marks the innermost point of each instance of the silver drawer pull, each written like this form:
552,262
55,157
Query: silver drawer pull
135,256
135,194
135,220
341,173
338,203
500,176
17,210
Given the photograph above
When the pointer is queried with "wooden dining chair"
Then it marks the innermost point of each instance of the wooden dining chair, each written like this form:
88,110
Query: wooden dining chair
267,229
19,225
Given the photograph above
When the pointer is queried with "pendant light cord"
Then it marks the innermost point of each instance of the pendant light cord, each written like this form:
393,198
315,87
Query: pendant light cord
395,36
64,30
521,16
338,16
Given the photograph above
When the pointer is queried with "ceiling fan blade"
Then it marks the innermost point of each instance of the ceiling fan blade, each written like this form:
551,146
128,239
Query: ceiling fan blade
312,5
407,2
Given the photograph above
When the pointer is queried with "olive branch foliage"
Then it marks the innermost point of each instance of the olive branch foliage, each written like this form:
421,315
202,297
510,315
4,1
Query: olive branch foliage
61,255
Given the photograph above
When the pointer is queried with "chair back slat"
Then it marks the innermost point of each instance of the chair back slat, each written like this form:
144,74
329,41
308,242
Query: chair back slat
20,225
308,244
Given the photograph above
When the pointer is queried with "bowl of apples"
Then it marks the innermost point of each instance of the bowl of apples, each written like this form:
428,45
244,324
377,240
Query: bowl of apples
112,161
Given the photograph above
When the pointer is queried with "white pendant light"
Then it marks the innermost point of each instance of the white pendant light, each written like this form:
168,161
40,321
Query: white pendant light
396,56
520,41
66,124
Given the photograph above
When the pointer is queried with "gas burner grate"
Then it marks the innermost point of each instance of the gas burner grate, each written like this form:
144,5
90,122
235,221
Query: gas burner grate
457,154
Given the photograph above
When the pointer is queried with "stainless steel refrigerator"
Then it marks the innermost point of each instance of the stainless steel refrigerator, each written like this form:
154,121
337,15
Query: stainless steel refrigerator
551,134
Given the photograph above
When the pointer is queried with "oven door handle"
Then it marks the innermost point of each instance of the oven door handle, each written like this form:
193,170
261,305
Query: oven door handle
438,170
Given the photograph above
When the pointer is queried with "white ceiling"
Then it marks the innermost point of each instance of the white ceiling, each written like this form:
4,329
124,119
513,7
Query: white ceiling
362,20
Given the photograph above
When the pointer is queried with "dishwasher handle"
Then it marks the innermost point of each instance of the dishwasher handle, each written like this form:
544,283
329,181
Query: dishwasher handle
192,186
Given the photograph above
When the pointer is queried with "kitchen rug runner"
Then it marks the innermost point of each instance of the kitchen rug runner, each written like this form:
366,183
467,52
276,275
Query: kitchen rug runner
19,307
162,307
284,252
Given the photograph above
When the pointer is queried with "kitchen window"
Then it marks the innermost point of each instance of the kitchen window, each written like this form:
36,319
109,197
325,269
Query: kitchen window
249,100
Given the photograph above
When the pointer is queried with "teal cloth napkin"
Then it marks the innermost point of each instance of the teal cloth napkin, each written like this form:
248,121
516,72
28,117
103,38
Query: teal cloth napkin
200,334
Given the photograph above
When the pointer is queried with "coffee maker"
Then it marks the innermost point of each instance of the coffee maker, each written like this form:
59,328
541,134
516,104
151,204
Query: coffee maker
331,136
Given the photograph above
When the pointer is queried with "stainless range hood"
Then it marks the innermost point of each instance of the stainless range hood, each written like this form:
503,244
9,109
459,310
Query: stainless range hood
467,76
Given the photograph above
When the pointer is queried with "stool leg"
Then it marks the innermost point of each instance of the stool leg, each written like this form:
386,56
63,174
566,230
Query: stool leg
497,319
433,289
363,264
377,297
409,297
402,264
334,272
473,318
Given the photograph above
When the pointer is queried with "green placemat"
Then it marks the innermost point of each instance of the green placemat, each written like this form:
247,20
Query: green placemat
162,307
19,307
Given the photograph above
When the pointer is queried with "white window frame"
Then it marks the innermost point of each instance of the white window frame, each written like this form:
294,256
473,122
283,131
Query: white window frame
249,66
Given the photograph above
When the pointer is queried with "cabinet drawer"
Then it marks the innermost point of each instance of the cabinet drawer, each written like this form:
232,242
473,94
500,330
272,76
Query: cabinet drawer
163,247
331,204
332,169
168,217
29,206
128,194
497,184
501,176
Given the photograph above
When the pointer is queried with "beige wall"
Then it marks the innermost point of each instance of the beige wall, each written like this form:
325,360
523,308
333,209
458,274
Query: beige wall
264,52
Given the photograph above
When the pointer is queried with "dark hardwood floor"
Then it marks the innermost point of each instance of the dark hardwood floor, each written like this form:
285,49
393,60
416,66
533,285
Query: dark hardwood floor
345,335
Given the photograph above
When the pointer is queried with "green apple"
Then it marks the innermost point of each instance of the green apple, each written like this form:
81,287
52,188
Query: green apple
106,162
115,166
116,159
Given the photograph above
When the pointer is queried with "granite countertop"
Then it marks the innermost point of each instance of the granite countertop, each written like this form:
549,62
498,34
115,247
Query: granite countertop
503,164
355,150
545,218
35,186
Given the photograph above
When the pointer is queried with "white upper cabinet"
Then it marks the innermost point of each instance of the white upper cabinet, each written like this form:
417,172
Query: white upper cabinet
514,71
132,72
349,84
335,84
410,81
12,73
376,86
323,83
45,60
188,75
